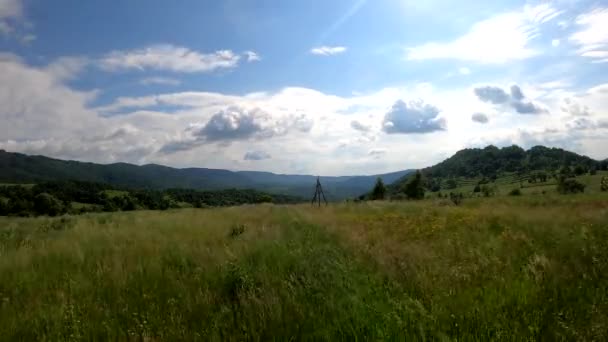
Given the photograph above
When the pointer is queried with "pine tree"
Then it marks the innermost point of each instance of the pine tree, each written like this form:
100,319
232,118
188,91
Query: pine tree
379,190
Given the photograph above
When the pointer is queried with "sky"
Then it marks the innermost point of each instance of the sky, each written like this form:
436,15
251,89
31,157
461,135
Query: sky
337,87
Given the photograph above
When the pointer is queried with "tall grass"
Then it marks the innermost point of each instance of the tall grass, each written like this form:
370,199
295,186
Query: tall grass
505,269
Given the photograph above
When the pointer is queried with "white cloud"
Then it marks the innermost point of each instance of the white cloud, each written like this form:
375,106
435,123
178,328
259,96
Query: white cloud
328,50
592,38
499,39
359,126
464,71
169,57
40,114
252,56
10,11
555,42
160,80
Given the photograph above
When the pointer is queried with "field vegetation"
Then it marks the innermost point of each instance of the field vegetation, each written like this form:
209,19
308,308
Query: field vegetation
531,267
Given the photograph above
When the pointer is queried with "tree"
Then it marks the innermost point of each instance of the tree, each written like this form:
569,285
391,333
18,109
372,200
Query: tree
379,190
580,170
604,186
414,189
46,204
477,189
569,186
451,184
487,191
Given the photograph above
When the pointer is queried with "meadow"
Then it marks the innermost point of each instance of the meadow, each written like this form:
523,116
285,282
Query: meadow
532,267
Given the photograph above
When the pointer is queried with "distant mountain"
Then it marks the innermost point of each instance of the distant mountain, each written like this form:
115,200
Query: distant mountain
492,161
21,168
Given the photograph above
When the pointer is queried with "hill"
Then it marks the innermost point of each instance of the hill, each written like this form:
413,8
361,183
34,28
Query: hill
21,168
492,162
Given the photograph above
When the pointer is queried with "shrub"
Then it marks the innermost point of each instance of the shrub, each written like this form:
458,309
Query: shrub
515,192
46,204
456,198
569,186
487,191
604,185
236,230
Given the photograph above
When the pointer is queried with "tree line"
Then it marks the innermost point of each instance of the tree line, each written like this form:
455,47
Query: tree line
73,197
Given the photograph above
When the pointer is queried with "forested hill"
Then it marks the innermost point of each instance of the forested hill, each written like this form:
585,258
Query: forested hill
21,168
492,161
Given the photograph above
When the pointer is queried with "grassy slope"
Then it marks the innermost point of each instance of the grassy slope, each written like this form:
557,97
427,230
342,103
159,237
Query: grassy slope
506,183
505,268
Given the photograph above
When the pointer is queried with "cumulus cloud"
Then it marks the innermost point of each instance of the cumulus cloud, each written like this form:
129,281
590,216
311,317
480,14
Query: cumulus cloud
236,124
499,39
359,126
514,100
480,118
413,117
492,94
169,57
256,155
328,50
592,36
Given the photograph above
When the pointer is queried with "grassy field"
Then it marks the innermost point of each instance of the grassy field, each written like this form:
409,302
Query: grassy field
503,268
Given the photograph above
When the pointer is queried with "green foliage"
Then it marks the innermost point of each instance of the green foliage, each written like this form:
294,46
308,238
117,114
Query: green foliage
490,162
456,198
488,190
379,190
569,186
46,204
477,188
604,184
236,230
580,170
515,192
53,198
414,189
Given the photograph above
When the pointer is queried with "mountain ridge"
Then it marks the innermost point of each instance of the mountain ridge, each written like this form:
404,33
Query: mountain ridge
21,168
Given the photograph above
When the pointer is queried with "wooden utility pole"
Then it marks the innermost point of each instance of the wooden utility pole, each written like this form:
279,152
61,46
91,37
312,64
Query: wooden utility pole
318,194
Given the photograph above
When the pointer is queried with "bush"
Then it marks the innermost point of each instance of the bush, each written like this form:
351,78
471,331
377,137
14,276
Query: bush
45,204
569,186
456,198
487,191
236,230
515,192
604,185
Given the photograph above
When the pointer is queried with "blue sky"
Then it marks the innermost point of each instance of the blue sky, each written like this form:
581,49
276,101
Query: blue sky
324,87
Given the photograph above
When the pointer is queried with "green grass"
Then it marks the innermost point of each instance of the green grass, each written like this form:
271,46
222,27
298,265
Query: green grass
504,268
